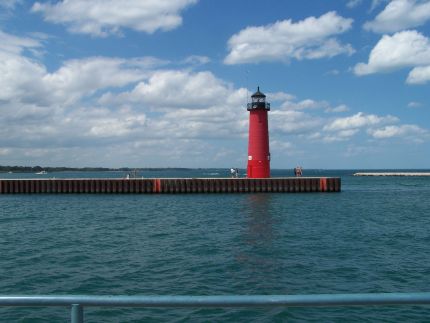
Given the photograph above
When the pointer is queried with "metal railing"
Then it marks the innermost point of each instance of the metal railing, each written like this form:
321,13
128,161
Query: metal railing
77,303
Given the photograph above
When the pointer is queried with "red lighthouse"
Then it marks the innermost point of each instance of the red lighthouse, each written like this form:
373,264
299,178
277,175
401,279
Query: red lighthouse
258,144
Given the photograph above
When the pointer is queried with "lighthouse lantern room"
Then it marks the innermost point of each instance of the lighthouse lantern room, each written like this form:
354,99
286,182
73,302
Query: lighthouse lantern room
258,140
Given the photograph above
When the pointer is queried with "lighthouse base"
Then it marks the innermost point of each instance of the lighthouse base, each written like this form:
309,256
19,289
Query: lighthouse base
258,171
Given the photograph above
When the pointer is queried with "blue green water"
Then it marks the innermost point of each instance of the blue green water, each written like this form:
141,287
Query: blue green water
374,236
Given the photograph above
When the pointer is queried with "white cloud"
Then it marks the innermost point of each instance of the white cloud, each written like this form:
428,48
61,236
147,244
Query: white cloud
404,131
53,111
79,114
311,38
293,122
104,17
15,45
404,49
190,104
116,126
78,78
290,103
342,135
360,151
399,15
42,108
26,80
414,104
279,96
176,88
337,109
419,75
20,78
281,146
304,104
358,120
4,151
353,3
343,129
376,3
9,4
333,72
196,60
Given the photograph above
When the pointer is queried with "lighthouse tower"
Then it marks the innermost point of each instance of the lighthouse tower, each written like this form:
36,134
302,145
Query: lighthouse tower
258,144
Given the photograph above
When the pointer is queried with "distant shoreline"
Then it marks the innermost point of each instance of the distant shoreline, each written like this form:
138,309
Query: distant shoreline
36,169
355,172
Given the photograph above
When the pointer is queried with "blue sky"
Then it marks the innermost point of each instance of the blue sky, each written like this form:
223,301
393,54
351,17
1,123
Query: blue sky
164,83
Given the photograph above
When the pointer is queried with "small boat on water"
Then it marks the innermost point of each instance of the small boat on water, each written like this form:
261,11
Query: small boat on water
42,172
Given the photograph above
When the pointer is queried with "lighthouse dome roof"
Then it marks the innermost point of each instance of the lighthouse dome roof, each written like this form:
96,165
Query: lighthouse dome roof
258,94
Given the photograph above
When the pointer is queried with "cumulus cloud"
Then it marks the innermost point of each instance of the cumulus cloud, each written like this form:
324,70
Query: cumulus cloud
192,105
311,38
403,49
337,109
419,75
342,135
9,4
78,78
353,3
14,45
406,130
414,104
4,151
196,60
105,17
304,104
376,3
290,102
79,114
60,111
399,15
294,122
26,80
279,96
115,125
38,105
378,127
358,120
176,88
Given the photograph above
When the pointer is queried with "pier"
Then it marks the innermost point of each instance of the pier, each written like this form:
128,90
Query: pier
393,174
170,185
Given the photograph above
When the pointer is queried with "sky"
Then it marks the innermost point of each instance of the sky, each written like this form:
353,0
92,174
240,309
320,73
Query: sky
165,83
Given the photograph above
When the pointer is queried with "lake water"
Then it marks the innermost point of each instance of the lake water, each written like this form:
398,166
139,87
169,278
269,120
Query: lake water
374,236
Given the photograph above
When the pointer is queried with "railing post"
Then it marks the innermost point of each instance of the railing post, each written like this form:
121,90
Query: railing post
77,315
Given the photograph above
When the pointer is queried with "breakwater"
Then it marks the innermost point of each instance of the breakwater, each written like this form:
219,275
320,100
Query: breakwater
393,174
170,185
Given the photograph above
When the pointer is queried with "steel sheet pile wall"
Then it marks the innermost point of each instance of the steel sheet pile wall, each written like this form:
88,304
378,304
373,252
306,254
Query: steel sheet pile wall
170,185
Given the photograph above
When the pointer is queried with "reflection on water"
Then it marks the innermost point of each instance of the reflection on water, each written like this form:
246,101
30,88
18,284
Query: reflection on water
259,235
259,219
